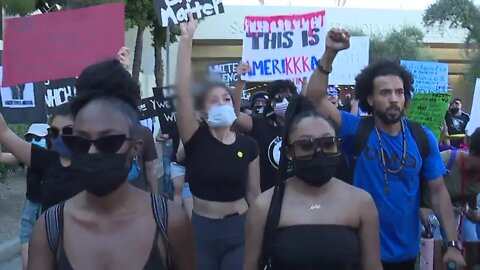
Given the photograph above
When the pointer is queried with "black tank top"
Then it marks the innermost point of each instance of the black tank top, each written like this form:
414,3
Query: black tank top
312,247
54,226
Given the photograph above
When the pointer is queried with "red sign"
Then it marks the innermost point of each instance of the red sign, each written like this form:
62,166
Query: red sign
61,44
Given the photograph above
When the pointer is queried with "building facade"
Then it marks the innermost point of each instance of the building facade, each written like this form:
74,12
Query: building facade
219,38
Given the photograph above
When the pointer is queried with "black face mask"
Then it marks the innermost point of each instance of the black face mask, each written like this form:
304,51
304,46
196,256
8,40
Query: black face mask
317,171
101,174
454,110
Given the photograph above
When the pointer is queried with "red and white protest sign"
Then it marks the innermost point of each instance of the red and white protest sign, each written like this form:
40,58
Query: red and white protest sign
61,44
289,47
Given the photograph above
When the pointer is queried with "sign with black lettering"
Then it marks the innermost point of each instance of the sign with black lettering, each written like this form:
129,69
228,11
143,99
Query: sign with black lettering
224,72
58,92
176,11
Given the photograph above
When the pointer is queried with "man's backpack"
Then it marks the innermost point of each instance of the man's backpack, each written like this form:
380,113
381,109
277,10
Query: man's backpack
364,131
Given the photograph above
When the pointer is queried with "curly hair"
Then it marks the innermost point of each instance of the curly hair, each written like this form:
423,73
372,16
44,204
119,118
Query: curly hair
111,84
364,81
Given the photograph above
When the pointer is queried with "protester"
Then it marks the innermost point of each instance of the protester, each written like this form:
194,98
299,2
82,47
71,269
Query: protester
143,173
265,130
222,167
36,134
110,225
389,166
333,93
53,166
463,184
457,121
339,221
258,102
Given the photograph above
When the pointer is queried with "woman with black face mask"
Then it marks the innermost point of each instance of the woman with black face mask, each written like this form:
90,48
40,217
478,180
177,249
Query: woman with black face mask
311,220
110,225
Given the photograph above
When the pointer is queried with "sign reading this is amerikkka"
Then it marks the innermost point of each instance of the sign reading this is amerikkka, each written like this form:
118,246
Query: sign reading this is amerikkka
289,47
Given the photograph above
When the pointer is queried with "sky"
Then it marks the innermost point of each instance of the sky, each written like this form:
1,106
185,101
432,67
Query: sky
388,4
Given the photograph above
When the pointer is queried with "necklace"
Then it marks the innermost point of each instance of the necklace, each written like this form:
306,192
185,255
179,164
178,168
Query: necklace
387,170
315,207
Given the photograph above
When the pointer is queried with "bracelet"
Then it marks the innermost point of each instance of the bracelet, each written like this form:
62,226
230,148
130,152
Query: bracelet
322,69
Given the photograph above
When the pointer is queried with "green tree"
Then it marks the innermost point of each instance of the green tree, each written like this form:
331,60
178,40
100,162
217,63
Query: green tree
459,14
405,43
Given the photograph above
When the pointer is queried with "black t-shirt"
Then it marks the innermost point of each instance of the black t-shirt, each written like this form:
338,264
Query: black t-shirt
268,136
34,186
57,183
216,171
456,125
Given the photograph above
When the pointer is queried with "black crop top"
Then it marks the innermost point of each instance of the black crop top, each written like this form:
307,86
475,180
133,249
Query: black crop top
217,171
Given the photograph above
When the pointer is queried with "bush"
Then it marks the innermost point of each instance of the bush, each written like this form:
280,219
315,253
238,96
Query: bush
20,130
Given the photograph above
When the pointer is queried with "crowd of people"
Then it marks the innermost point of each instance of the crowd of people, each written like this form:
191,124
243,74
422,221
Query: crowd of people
301,181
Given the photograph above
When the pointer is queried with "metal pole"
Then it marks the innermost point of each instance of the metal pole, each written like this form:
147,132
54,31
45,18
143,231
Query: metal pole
167,70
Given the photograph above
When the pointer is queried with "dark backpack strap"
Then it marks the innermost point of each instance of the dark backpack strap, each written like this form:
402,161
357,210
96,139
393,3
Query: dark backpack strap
54,226
361,135
160,213
271,225
420,137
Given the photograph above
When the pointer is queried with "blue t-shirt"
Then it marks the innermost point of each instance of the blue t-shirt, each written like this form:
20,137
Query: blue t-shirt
398,209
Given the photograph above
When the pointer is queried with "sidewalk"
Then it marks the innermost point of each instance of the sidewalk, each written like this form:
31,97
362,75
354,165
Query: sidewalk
12,197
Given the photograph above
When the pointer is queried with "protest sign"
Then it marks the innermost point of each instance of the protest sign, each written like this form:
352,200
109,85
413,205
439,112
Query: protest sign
429,110
18,96
58,92
61,44
148,108
176,11
166,108
428,77
26,115
289,47
224,72
475,113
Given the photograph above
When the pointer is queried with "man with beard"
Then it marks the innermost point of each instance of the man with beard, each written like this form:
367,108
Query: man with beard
390,166
456,121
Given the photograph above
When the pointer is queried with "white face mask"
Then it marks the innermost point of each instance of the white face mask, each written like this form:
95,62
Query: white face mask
221,116
281,108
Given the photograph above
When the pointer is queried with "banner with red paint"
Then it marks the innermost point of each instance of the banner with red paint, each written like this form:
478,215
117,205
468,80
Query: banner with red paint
61,44
289,47
282,47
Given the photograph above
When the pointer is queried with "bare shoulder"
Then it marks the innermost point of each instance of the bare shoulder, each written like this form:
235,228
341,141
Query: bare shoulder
357,196
262,203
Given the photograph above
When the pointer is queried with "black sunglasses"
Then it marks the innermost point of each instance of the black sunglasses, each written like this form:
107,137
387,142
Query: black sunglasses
307,149
31,137
54,132
107,144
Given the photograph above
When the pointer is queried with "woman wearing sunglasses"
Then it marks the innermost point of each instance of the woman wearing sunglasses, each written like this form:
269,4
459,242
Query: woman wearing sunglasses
312,220
266,127
54,165
221,166
111,224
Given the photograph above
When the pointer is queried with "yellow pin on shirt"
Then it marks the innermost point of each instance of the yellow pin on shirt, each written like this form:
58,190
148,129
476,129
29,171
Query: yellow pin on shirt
240,154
